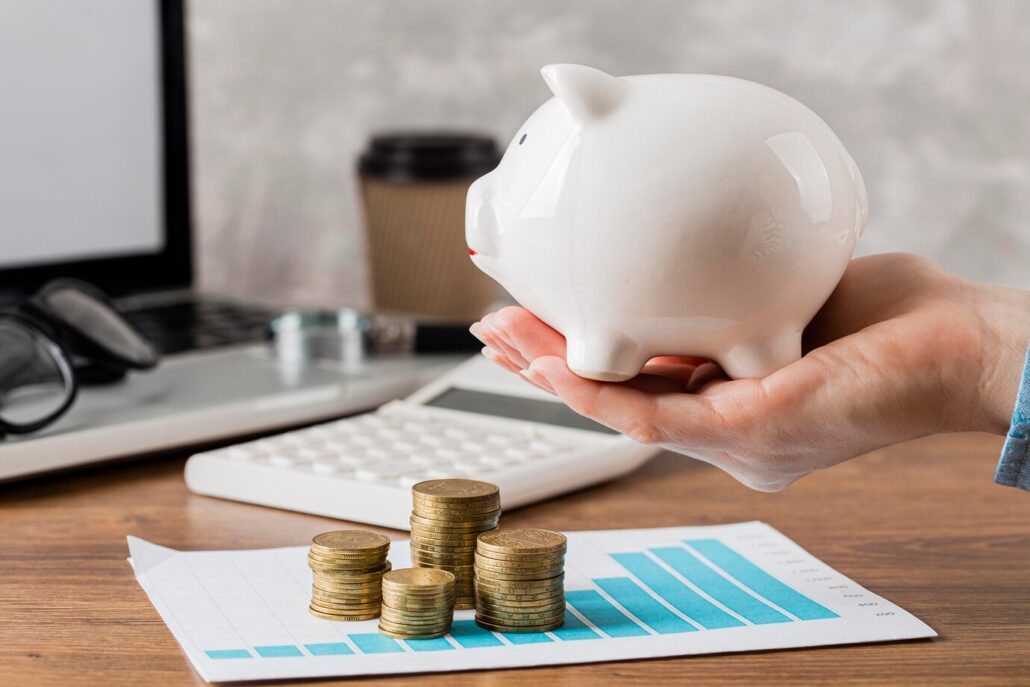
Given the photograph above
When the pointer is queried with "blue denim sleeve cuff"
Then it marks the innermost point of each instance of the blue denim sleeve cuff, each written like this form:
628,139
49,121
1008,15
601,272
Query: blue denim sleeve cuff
1014,466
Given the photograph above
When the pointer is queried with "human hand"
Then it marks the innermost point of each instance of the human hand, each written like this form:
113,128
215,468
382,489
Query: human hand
901,349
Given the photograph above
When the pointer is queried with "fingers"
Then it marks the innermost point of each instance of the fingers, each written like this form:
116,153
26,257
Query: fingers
498,350
526,333
650,418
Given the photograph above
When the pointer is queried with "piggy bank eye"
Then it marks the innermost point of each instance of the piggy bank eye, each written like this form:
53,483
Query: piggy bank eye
523,139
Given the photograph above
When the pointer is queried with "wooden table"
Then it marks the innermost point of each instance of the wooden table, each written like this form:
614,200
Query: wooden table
920,523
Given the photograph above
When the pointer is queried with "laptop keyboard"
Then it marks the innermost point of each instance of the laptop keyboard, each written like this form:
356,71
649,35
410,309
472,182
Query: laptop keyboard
200,324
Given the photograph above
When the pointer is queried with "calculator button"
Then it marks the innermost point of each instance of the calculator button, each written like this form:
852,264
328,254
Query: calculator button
408,481
281,460
437,473
238,453
494,459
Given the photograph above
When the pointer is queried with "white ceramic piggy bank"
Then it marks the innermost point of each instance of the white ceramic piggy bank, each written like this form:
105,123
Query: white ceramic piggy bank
669,214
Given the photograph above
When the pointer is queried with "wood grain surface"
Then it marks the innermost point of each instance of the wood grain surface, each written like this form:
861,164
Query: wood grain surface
921,524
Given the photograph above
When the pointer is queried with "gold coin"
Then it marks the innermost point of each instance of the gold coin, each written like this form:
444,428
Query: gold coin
333,616
463,558
436,607
459,502
542,615
346,605
542,622
470,517
520,602
447,527
397,616
434,626
523,541
522,569
349,556
517,557
447,546
525,559
465,539
418,578
453,565
408,635
349,574
346,598
455,490
421,595
457,506
519,586
348,564
351,540
510,629
408,603
330,584
467,551
345,614
530,606
517,576
519,599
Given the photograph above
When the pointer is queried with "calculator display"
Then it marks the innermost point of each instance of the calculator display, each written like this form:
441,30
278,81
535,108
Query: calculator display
515,407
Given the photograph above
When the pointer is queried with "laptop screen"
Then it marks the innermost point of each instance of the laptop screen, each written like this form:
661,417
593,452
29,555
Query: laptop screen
82,141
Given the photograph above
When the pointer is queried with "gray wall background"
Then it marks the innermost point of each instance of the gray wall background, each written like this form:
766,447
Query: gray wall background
931,97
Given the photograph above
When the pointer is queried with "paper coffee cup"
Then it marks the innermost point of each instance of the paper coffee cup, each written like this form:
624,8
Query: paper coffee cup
413,188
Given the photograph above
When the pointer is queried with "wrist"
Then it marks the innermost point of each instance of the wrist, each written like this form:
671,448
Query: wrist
1006,317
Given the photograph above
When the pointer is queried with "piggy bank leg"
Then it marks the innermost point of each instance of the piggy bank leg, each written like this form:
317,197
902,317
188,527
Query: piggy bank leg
758,359
604,356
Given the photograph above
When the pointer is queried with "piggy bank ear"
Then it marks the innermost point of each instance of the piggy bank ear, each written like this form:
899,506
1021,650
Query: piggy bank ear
588,93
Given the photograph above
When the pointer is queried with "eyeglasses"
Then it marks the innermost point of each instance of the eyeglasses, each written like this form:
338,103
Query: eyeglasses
68,334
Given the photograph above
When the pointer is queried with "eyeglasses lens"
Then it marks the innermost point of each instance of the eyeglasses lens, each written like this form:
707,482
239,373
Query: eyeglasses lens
33,384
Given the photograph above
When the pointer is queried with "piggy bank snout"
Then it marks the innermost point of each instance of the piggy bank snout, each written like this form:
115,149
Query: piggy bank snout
481,221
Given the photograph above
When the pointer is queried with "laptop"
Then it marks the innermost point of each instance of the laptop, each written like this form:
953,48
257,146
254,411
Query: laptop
94,185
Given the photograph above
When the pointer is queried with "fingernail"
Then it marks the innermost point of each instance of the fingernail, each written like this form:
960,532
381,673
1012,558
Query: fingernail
538,380
476,330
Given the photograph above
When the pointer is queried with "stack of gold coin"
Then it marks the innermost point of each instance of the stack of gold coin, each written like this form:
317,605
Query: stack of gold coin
347,569
418,603
520,580
447,517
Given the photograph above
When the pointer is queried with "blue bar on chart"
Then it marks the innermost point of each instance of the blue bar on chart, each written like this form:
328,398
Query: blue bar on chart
603,615
228,653
472,636
574,629
718,587
375,643
760,581
329,649
278,651
531,637
678,595
630,596
436,644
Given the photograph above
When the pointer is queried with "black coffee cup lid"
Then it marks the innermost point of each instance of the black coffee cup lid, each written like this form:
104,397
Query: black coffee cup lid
428,156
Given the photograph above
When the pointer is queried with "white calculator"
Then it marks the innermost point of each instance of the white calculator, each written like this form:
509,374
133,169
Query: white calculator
476,421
